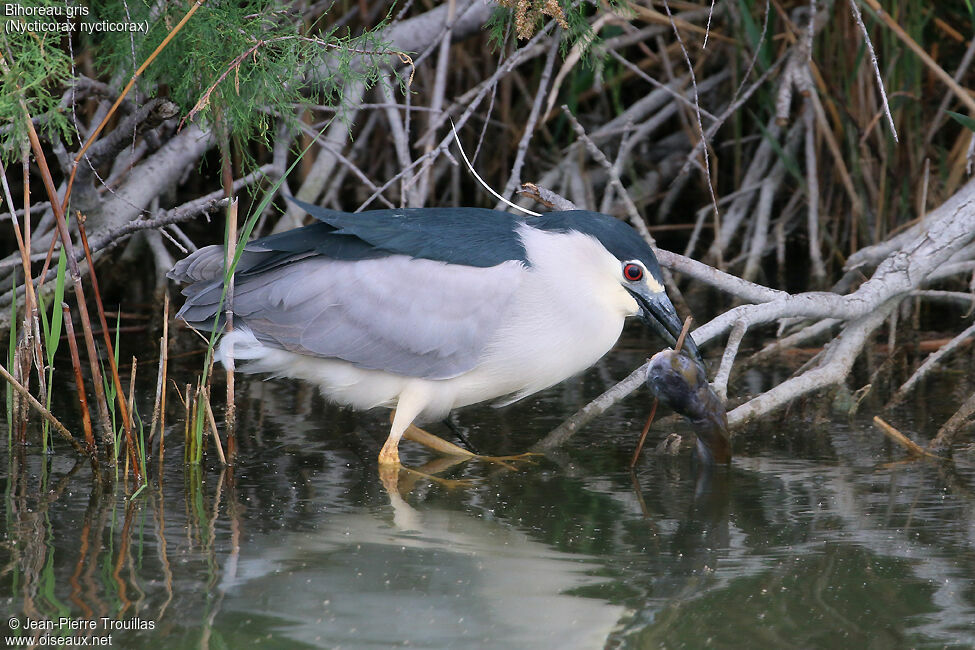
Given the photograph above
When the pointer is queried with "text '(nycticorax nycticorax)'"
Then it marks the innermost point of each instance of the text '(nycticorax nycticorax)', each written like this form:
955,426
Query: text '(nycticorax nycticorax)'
431,309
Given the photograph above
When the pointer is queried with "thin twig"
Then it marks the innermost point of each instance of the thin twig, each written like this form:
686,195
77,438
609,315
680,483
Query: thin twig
32,337
79,382
876,66
697,112
231,246
662,86
631,210
643,434
960,93
931,362
159,404
514,178
134,452
547,197
949,430
409,191
437,101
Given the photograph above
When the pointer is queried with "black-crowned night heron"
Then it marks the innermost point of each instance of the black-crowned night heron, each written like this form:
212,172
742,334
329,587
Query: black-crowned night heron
427,310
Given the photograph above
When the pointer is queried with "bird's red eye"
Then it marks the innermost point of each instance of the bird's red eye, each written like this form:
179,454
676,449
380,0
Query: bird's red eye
633,272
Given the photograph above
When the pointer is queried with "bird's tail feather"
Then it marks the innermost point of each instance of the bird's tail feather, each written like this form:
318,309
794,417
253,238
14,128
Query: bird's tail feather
205,264
239,344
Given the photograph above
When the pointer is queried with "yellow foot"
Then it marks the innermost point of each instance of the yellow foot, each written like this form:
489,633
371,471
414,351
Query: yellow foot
389,455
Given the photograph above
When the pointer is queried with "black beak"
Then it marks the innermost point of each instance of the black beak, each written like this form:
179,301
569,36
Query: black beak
658,313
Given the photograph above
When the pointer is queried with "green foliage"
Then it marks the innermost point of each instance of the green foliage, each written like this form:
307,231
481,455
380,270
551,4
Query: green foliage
964,120
108,386
788,160
497,27
579,32
52,326
240,62
52,330
754,35
35,70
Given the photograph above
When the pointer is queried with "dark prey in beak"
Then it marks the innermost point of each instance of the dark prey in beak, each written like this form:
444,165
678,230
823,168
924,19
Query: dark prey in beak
681,383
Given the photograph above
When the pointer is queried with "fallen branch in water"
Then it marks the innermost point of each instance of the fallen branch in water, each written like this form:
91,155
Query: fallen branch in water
912,447
950,228
950,429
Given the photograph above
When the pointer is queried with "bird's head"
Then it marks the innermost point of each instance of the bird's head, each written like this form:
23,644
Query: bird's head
636,270
645,283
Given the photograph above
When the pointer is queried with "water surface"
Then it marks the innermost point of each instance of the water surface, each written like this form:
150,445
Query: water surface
817,536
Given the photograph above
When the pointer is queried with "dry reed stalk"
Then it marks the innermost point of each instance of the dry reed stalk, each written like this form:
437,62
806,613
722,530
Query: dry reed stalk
230,416
21,368
133,452
32,329
62,228
79,381
213,426
119,393
643,434
960,92
188,403
912,447
159,404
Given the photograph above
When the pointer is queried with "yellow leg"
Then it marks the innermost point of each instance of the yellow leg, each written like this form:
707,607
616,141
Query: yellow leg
416,434
408,406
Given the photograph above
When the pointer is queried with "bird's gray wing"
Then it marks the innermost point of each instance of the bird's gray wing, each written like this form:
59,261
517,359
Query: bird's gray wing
415,317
